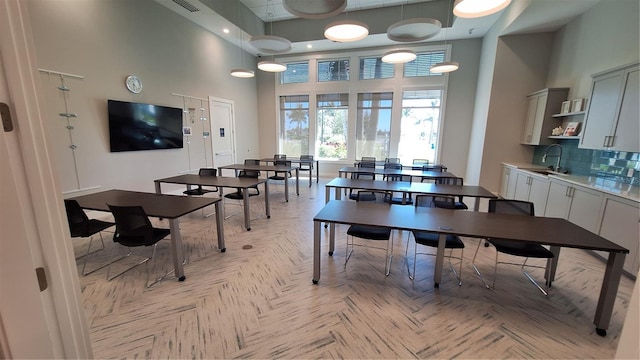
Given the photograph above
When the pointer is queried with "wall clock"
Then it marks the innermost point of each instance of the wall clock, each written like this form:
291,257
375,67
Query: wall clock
133,84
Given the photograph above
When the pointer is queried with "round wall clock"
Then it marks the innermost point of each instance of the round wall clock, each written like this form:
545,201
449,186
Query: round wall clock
133,84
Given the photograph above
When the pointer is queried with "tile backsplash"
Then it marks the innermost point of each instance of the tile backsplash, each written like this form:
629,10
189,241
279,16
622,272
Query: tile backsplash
619,166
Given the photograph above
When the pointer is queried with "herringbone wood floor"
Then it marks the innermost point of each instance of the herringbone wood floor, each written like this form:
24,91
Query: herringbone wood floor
261,303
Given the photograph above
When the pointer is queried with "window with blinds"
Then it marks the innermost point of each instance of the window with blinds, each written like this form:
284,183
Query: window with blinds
421,65
333,70
297,72
374,68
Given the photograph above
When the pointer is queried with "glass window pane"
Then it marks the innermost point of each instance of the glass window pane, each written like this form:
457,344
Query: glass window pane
296,73
421,65
374,68
294,125
332,121
333,70
373,126
419,126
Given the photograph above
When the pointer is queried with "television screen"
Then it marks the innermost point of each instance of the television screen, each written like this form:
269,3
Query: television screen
135,126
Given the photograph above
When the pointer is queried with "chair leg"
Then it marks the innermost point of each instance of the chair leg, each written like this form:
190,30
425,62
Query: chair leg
86,256
473,263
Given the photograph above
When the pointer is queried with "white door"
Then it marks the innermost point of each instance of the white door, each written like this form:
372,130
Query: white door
34,323
223,140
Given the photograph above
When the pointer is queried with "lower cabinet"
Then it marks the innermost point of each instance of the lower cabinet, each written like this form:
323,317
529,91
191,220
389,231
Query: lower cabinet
531,188
621,225
577,204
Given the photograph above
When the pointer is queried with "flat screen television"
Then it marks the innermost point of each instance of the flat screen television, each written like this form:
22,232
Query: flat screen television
136,126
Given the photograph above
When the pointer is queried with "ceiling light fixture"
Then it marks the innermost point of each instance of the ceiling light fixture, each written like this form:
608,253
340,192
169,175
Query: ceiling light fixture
272,66
346,31
445,66
242,73
399,56
478,8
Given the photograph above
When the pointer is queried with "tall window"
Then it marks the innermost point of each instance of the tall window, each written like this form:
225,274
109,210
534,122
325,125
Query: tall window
421,65
332,120
297,72
294,124
373,126
333,70
419,125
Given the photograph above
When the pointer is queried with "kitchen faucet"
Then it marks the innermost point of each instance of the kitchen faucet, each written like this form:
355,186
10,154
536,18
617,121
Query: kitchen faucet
559,156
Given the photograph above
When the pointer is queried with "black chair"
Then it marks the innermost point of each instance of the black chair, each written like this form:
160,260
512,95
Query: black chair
431,240
281,175
200,191
449,202
252,191
307,164
390,198
370,233
80,226
133,229
364,164
514,248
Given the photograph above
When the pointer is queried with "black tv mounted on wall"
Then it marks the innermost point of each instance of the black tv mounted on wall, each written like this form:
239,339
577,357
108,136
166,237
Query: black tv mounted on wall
136,126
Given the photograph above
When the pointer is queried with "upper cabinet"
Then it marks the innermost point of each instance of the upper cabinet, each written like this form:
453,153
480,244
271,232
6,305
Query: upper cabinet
612,114
539,121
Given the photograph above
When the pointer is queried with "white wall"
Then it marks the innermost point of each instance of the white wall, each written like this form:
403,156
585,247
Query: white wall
105,41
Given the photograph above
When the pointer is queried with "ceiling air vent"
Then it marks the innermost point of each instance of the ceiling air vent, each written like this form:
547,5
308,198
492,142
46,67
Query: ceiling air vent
186,5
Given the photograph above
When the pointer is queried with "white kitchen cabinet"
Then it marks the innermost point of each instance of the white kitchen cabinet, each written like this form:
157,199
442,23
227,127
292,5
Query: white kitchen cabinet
539,121
508,182
577,204
621,225
612,115
532,188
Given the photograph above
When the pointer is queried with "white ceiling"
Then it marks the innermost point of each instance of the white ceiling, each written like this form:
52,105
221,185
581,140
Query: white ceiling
537,16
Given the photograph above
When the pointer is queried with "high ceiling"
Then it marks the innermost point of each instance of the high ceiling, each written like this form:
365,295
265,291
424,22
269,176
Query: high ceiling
306,35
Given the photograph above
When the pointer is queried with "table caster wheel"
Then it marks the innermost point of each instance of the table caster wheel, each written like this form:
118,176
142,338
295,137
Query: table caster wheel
182,278
315,282
223,250
601,332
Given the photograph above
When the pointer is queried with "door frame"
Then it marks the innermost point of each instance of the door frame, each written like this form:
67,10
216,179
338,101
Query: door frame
39,197
231,103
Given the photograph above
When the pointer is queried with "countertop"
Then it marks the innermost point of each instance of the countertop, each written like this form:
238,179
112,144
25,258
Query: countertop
626,191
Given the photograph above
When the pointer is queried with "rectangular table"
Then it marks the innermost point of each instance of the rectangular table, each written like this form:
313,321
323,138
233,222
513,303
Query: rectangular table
170,207
222,182
300,161
393,172
267,168
408,188
555,232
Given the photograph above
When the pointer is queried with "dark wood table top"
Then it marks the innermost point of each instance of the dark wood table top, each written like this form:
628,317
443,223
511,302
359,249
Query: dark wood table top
154,205
530,229
411,187
397,172
220,181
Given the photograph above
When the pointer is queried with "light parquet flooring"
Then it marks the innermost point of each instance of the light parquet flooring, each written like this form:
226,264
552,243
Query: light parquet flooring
261,303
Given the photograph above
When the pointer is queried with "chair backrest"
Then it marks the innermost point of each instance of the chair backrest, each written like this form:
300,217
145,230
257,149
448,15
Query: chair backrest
516,207
133,227
444,180
76,217
208,172
279,157
306,165
427,167
392,160
250,173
